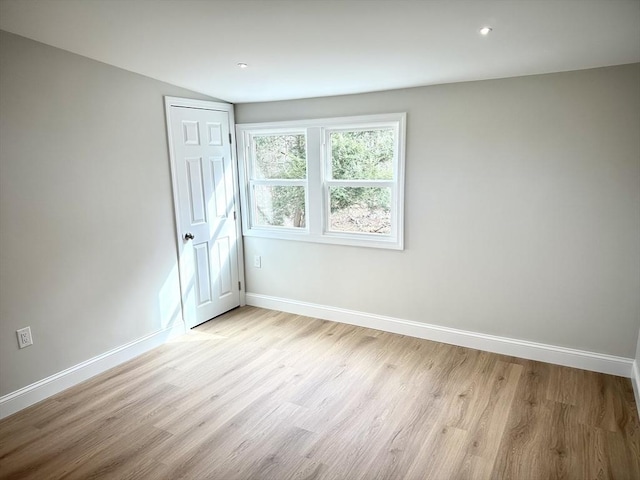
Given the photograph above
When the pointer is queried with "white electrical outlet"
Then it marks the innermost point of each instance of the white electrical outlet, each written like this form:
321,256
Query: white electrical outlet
24,337
257,261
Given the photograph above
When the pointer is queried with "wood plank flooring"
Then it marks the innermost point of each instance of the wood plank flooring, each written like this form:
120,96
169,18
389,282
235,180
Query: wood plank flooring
258,394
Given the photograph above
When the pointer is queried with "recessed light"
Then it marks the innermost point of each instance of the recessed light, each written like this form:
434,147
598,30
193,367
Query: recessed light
485,31
242,65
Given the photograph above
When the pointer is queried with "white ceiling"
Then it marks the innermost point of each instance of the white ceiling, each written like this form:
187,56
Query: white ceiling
310,48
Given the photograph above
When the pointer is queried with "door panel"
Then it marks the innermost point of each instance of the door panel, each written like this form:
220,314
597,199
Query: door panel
196,189
219,186
225,275
191,132
202,276
204,180
215,133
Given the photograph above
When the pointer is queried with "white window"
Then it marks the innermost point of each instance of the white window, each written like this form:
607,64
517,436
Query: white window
332,180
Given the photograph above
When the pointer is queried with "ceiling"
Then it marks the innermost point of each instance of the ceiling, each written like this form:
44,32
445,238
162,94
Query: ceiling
312,48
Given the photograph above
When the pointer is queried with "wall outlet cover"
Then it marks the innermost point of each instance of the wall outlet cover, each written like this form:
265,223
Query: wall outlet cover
24,337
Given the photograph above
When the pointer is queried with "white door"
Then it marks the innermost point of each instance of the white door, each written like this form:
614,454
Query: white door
204,186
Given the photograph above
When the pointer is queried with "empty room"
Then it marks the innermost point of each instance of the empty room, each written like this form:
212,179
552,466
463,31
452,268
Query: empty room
320,239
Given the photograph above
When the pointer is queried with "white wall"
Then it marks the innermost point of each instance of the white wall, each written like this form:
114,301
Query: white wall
522,212
87,247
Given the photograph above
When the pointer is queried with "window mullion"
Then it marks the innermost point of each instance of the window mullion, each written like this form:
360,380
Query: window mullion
314,176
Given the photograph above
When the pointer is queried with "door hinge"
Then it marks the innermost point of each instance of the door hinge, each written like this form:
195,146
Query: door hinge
239,286
230,138
234,215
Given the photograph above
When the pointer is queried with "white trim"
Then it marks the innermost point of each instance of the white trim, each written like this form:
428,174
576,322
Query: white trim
381,118
27,396
236,196
635,381
597,362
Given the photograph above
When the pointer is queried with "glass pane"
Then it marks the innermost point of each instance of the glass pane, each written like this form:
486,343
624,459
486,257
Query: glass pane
362,155
360,209
279,206
280,156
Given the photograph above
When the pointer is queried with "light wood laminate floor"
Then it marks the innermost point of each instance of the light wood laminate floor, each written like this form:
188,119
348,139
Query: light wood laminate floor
258,394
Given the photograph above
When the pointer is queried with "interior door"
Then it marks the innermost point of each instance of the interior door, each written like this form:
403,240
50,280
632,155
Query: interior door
205,188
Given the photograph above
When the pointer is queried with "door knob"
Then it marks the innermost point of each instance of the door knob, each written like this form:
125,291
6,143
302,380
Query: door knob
189,236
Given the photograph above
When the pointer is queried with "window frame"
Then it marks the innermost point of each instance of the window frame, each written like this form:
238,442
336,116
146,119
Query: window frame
318,181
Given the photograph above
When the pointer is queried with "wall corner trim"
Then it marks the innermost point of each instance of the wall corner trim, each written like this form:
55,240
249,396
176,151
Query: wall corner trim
635,381
42,389
597,362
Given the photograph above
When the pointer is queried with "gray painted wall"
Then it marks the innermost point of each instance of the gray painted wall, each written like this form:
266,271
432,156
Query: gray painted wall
87,249
522,212
638,359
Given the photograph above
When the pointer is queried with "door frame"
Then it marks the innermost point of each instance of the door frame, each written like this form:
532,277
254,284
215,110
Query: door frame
222,107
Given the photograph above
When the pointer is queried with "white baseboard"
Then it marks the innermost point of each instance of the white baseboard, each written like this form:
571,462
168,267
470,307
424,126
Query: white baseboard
635,381
569,357
26,396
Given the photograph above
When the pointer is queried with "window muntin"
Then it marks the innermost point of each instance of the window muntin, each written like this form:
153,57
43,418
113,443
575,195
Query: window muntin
349,178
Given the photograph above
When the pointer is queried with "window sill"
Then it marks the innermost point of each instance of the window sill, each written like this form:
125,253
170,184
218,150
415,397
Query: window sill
332,238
